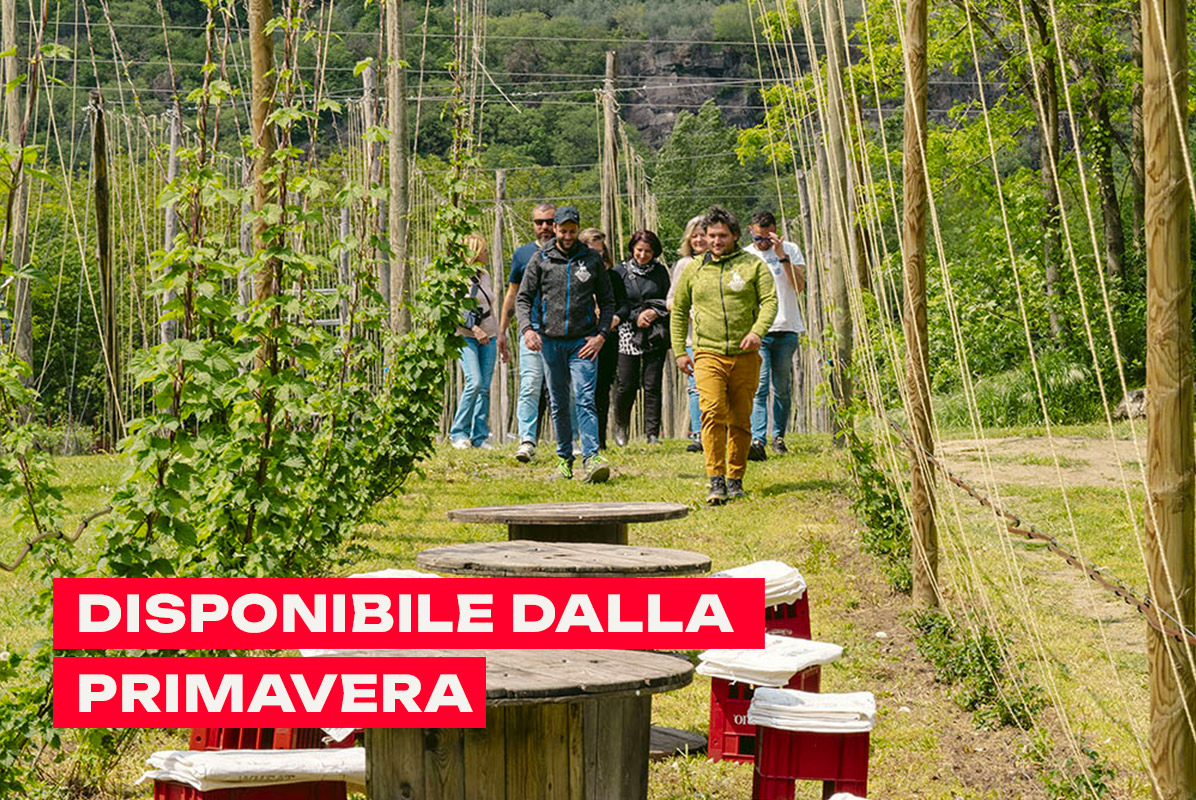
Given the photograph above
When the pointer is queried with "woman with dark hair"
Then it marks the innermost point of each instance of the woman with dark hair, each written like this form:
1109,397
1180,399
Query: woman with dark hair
608,357
643,336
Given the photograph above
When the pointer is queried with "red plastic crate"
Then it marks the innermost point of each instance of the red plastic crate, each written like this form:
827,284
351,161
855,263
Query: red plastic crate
839,760
314,790
261,739
731,737
791,619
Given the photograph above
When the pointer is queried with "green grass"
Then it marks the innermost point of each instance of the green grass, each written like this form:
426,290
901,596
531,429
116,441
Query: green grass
924,746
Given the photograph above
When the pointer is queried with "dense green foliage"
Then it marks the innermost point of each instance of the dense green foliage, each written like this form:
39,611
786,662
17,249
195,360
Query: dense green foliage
269,435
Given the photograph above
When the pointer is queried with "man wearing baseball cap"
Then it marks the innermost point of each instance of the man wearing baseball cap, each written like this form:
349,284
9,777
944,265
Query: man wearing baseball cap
567,283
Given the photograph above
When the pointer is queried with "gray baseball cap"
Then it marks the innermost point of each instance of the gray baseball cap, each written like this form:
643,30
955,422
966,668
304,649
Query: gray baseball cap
567,214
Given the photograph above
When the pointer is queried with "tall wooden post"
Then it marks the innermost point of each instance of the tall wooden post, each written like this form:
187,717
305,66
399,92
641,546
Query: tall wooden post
112,417
261,53
399,210
610,161
917,350
346,275
373,171
22,309
838,221
245,277
1170,466
498,280
167,327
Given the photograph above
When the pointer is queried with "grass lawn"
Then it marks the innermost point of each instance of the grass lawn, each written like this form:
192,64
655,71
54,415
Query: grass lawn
924,745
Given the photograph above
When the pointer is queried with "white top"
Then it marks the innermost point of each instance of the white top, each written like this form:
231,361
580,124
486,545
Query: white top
774,665
793,710
783,584
788,311
208,770
678,268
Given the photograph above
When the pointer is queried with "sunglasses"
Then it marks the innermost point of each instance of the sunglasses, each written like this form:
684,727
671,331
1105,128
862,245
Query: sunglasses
542,221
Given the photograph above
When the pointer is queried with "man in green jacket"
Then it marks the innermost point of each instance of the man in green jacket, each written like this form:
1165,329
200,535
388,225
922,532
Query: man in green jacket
733,299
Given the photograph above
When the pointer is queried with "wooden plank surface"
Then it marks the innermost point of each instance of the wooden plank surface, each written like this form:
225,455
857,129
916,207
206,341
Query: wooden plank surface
669,742
486,758
569,513
528,677
527,559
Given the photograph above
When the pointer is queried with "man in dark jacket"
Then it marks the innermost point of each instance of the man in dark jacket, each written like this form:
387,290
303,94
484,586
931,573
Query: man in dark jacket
568,281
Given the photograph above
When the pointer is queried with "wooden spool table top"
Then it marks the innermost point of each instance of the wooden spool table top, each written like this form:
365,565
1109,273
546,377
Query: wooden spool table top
570,513
534,677
529,559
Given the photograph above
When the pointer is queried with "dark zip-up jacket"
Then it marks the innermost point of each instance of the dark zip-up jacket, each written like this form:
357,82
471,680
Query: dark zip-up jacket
572,290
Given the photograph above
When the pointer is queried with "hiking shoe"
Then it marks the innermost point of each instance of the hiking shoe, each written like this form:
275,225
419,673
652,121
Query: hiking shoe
756,452
718,491
695,444
778,445
564,469
735,488
596,468
653,439
462,444
526,452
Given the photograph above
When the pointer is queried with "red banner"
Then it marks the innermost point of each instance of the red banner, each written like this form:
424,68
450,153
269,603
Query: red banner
270,692
379,613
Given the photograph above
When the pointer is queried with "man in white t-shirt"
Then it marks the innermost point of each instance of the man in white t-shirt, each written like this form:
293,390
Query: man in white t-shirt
785,262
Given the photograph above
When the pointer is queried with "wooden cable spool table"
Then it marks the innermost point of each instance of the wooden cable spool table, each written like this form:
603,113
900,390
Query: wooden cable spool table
604,523
525,559
560,725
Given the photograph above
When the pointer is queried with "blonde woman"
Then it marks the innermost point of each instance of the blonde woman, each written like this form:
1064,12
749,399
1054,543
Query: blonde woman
471,425
693,245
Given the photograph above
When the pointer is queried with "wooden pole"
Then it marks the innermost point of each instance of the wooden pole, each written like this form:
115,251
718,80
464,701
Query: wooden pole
245,277
399,208
167,327
837,167
261,52
373,171
22,310
610,160
498,281
346,276
1170,464
111,431
917,351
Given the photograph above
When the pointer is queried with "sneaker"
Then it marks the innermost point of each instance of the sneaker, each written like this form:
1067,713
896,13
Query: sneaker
485,446
735,488
653,439
718,491
461,444
695,444
778,445
757,452
597,470
526,452
564,469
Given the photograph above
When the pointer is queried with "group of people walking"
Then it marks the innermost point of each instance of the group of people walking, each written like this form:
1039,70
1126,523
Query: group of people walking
728,311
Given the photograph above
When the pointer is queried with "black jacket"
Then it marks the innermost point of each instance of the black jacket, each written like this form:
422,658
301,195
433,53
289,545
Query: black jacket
647,292
566,287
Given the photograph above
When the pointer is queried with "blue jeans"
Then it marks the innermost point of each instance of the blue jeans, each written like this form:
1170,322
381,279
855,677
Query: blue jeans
695,411
776,354
531,382
564,367
472,420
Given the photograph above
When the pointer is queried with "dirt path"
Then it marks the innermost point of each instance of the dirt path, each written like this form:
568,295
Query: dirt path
1032,460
